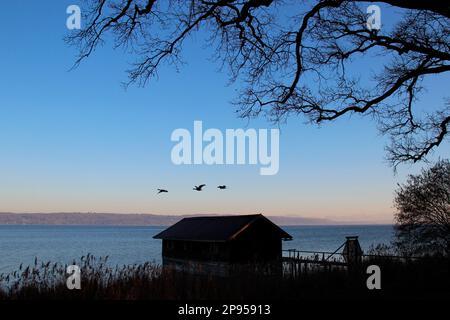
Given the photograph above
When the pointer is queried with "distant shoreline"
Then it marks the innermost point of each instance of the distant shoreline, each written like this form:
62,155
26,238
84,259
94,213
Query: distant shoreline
143,219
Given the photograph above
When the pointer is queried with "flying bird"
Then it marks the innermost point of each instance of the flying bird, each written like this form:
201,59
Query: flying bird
222,187
199,188
161,191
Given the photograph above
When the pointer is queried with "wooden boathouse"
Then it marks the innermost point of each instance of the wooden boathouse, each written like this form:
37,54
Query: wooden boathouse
214,244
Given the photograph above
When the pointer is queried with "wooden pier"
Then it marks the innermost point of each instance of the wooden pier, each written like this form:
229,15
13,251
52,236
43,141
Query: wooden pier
297,262
348,255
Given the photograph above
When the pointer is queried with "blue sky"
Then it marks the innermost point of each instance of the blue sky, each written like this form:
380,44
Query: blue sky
77,141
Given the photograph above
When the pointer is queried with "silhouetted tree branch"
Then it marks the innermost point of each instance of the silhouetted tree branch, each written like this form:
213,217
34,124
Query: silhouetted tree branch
297,61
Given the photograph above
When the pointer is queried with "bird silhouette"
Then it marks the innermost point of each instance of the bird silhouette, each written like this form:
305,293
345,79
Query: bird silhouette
199,188
222,187
161,191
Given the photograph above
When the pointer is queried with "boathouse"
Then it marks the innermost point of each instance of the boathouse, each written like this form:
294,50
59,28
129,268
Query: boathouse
215,243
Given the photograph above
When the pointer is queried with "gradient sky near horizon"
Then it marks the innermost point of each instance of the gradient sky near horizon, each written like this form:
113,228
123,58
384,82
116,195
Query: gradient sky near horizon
76,141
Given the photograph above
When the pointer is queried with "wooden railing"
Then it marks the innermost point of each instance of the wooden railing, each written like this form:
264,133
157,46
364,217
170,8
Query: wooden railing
334,257
313,256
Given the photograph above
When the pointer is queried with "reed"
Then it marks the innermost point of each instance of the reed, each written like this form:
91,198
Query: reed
102,281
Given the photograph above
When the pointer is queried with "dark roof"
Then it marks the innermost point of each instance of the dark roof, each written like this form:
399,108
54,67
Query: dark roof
214,228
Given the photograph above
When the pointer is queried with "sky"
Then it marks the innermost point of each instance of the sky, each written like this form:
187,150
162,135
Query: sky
77,141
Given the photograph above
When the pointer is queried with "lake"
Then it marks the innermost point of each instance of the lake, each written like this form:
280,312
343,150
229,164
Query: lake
128,245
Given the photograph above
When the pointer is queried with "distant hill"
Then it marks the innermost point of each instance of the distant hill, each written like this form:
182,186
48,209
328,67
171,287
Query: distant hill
131,219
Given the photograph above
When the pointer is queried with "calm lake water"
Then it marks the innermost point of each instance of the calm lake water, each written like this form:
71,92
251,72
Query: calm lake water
128,245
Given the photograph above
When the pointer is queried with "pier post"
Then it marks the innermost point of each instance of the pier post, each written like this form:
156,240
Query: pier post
352,253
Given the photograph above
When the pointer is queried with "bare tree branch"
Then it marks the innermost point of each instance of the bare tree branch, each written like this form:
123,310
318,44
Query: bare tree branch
299,61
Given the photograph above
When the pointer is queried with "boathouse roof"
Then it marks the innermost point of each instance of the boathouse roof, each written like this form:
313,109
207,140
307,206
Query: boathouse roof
217,228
